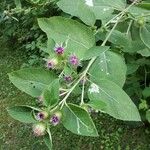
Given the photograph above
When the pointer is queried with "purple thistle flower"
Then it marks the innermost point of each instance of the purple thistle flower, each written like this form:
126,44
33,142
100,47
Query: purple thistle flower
74,60
39,129
59,49
67,78
55,119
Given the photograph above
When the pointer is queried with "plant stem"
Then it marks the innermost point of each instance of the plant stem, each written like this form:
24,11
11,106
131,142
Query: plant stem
128,30
94,58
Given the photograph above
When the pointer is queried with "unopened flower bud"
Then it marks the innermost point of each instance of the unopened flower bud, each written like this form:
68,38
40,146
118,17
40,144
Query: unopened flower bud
39,129
141,22
42,115
51,64
55,119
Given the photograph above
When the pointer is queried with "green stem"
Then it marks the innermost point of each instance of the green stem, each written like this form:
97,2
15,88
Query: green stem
94,58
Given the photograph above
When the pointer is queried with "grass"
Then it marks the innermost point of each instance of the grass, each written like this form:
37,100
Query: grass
114,134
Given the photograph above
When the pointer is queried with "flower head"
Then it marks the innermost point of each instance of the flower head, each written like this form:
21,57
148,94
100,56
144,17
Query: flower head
51,64
55,119
39,129
42,115
59,49
74,60
68,78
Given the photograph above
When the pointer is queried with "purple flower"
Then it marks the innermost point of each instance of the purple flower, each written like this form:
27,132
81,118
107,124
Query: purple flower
39,129
42,115
55,119
51,64
74,60
59,49
67,78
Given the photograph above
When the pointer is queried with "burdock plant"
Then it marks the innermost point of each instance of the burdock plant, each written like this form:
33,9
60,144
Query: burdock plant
101,76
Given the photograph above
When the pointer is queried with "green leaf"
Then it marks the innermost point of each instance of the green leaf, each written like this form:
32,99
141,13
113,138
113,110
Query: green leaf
143,105
137,11
131,68
95,51
18,4
32,81
51,93
76,37
103,9
22,113
97,105
144,52
111,66
118,103
146,92
148,115
94,9
79,9
145,5
78,121
145,36
48,140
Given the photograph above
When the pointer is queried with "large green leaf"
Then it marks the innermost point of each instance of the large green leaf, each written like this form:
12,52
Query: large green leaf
145,36
111,66
32,81
77,37
118,103
78,121
22,113
51,93
95,51
90,10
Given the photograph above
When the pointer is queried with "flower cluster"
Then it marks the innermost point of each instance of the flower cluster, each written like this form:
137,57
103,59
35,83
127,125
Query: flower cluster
39,129
61,58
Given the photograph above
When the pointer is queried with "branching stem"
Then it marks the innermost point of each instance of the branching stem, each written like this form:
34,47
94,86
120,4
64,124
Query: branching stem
83,75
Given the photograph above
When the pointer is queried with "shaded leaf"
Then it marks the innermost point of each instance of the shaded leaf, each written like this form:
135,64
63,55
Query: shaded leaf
51,93
22,113
146,92
145,36
148,115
